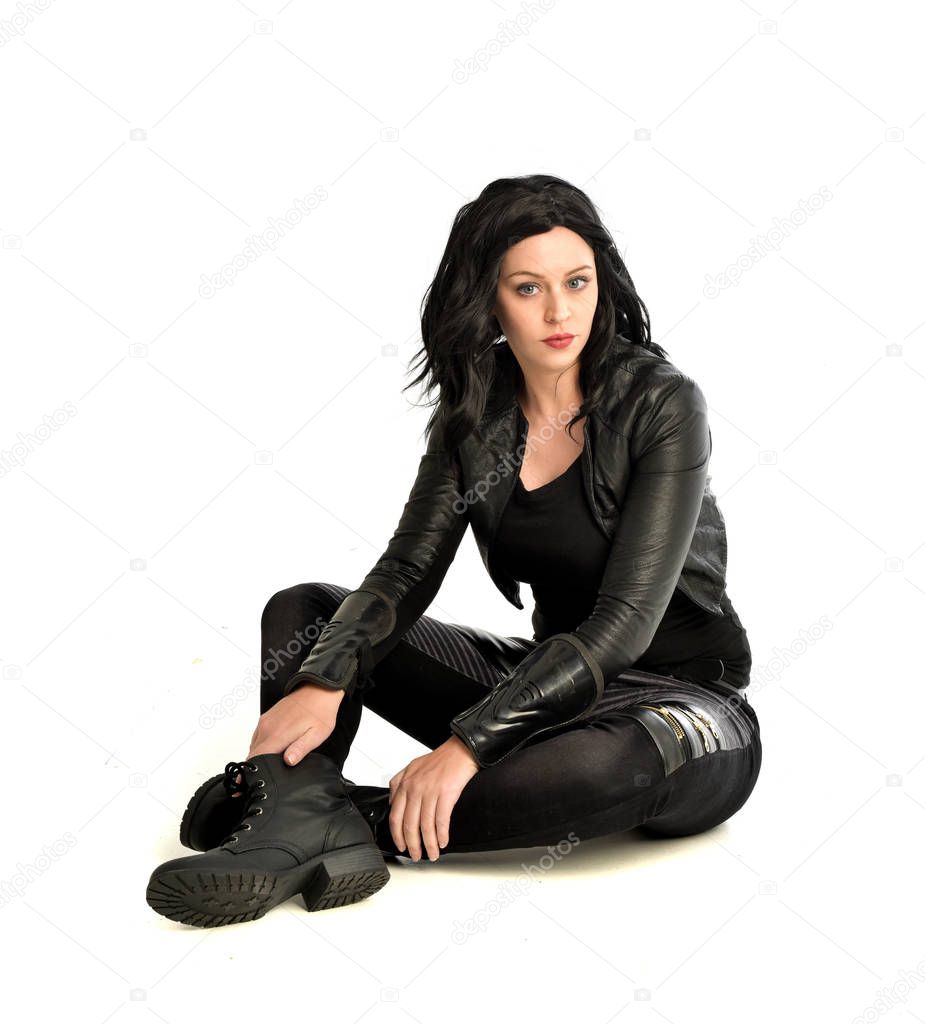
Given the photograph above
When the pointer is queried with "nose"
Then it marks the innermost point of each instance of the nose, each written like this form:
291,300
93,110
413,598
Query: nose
557,311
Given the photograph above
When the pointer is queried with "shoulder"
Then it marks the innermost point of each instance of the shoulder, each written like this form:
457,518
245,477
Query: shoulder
644,387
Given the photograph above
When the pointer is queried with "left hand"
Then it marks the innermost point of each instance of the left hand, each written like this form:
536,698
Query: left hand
423,795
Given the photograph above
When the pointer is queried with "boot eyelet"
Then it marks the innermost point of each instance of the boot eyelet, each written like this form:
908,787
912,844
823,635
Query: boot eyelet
247,825
252,767
263,796
262,784
258,811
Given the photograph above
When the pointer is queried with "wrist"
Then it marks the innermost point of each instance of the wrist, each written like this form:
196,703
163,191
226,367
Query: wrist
457,744
556,684
318,695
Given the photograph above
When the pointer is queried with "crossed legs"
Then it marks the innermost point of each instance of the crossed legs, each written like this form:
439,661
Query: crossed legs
626,766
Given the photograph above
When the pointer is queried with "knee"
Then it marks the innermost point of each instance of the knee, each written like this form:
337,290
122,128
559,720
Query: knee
281,604
307,602
716,787
277,604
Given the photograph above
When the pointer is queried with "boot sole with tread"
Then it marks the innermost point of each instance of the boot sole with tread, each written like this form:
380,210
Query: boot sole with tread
207,899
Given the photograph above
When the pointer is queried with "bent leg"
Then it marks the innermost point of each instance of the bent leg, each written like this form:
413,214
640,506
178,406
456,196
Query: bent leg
435,671
646,757
603,777
660,753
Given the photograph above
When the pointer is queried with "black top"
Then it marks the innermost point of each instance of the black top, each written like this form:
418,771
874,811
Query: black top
547,537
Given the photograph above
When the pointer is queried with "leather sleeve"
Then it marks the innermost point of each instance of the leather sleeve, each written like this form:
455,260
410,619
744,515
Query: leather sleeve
562,679
404,580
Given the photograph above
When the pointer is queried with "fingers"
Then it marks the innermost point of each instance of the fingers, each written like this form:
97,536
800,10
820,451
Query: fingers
411,826
275,747
396,816
428,823
412,819
420,813
292,754
445,805
300,747
293,749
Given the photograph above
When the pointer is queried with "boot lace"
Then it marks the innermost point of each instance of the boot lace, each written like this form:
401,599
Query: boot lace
251,793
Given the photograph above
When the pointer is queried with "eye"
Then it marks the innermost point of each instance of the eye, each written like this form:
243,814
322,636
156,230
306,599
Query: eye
584,281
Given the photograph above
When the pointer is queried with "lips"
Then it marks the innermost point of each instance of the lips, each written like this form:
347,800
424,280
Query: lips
559,340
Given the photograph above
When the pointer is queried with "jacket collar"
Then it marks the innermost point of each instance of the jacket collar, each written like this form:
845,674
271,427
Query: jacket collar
503,429
503,389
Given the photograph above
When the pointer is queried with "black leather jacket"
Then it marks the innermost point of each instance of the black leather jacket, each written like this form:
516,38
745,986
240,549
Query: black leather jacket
644,462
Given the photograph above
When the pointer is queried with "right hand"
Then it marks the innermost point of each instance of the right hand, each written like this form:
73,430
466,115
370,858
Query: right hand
297,723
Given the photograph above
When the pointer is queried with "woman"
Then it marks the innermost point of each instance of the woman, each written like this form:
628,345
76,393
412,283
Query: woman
578,453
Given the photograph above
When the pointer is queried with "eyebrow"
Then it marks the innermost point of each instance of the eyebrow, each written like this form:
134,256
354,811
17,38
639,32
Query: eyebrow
569,274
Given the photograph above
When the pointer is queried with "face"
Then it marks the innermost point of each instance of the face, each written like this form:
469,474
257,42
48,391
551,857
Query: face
547,285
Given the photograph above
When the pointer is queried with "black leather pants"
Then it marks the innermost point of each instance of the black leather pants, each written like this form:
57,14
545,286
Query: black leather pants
661,753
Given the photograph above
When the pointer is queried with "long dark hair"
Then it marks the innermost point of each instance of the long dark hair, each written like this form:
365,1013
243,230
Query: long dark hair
458,329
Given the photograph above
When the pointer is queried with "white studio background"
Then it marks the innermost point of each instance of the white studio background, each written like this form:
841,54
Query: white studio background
175,452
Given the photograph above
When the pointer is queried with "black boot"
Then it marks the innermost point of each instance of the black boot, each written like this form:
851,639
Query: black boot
298,832
212,812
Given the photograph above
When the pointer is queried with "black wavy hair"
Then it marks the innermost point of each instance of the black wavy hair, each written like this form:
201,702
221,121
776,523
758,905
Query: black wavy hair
458,329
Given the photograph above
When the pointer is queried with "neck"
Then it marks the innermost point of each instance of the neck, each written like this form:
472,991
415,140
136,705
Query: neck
548,395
